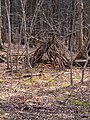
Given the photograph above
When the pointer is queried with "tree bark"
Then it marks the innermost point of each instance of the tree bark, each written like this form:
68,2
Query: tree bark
9,58
1,46
80,24
27,61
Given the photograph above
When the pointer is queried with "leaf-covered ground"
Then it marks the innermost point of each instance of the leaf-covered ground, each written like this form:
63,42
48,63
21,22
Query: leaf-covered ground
47,96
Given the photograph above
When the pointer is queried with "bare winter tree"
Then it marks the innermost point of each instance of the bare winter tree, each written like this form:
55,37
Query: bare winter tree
80,24
9,56
27,61
0,27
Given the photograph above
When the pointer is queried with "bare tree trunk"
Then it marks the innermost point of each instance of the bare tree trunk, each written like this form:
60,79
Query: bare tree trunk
80,24
71,43
18,49
39,5
71,23
27,61
0,22
1,47
9,58
88,12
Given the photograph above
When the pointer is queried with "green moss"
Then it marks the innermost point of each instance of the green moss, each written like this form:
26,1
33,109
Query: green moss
80,103
1,80
51,80
18,74
1,49
65,84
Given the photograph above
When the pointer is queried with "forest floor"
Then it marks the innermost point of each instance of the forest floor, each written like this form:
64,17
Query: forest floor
47,96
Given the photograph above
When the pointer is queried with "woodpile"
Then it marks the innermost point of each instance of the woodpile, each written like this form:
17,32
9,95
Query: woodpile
56,52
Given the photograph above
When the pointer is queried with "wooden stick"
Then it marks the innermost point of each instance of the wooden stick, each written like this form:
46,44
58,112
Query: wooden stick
84,69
